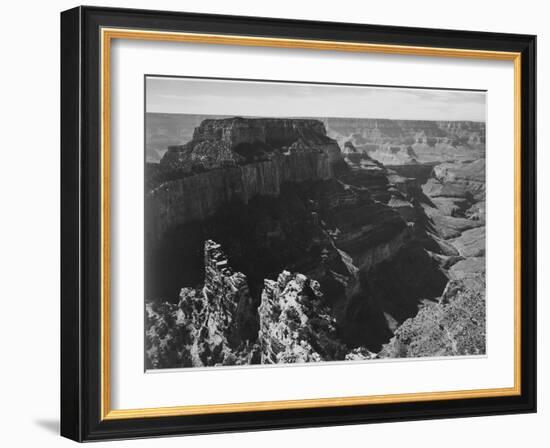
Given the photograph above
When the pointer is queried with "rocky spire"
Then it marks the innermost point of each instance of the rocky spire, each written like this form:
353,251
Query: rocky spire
219,279
205,322
295,325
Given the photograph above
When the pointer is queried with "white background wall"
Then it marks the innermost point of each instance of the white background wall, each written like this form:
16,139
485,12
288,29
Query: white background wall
29,228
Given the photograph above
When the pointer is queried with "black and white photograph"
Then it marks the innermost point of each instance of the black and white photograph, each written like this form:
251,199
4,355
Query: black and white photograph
302,222
275,224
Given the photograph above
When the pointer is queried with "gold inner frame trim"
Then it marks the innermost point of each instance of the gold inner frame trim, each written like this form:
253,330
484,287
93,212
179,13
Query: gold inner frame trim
107,35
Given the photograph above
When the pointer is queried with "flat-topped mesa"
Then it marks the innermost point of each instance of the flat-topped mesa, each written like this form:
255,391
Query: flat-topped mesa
276,132
234,160
219,143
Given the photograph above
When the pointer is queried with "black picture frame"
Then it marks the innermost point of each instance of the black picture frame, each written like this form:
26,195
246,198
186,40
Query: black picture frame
81,224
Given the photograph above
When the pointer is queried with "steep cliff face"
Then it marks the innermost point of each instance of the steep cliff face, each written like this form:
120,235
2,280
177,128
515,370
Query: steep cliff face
200,196
235,160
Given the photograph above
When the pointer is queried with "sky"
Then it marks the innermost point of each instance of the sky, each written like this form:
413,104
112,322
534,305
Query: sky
276,99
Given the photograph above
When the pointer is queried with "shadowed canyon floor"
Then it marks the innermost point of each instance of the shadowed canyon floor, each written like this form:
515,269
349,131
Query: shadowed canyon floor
306,240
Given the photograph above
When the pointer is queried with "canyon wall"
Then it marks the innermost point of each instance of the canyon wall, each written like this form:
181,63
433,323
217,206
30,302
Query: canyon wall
376,131
235,160
335,252
398,142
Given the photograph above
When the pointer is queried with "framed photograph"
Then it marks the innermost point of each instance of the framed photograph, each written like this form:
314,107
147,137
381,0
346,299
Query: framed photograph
274,224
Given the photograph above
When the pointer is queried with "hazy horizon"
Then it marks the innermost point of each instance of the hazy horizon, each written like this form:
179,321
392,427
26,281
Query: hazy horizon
299,117
269,99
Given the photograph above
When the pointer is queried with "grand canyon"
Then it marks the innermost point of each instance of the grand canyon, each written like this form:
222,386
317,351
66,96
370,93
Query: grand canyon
292,240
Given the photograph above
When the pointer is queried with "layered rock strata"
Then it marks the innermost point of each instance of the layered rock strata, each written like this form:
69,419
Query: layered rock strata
235,160
360,252
397,142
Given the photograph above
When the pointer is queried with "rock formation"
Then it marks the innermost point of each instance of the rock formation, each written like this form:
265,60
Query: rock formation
369,251
163,130
457,211
295,324
235,160
453,326
203,329
397,142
